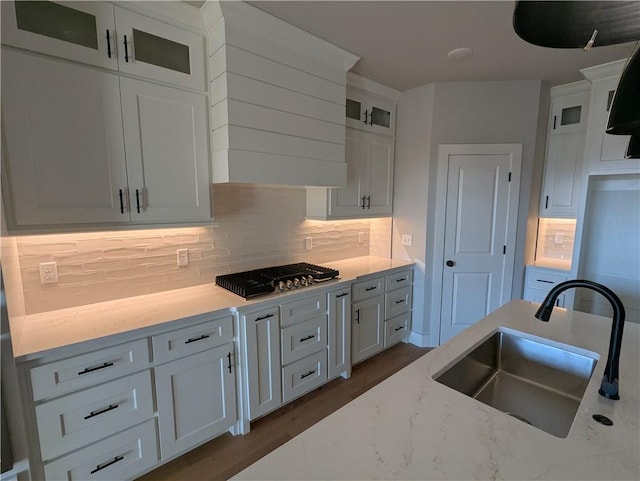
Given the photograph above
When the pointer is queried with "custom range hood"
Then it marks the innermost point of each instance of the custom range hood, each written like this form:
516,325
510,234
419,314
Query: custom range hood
277,98
588,24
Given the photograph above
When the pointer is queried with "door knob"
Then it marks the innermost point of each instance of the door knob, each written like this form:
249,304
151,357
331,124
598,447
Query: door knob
450,263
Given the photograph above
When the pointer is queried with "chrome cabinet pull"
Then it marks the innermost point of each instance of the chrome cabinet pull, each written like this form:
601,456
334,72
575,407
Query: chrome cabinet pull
96,368
100,467
196,339
98,412
307,374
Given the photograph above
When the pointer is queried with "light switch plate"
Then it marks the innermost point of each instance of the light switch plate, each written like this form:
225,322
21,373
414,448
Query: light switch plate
308,243
183,257
407,239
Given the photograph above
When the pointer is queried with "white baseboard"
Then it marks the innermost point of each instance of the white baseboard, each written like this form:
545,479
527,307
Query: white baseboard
421,340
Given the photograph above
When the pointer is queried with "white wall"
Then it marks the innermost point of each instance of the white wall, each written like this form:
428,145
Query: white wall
459,113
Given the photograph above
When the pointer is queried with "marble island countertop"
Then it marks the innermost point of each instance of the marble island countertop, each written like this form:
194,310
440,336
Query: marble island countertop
36,335
412,427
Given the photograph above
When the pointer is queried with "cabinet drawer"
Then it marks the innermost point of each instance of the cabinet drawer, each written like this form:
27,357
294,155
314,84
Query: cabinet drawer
542,279
396,330
538,295
68,375
397,280
78,419
369,288
302,309
192,339
304,375
397,302
304,338
122,456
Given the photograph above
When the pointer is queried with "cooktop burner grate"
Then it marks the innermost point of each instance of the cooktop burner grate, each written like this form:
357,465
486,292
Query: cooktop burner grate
259,282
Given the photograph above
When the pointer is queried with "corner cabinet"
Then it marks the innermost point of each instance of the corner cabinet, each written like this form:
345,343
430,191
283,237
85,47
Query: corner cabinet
604,153
565,150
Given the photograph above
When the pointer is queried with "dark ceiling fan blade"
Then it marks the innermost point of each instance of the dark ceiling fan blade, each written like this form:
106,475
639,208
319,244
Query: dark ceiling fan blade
571,24
624,115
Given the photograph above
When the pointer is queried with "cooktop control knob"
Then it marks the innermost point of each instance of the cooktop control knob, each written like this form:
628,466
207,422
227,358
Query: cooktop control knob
289,284
303,281
310,279
281,286
296,283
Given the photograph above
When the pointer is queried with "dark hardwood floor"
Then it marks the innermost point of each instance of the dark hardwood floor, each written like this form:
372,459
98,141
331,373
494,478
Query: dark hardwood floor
227,455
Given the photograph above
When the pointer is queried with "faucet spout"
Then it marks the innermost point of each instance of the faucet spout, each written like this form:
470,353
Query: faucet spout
609,386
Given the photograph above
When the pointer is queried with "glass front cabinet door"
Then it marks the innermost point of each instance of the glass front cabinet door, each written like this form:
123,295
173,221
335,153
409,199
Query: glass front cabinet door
370,113
79,31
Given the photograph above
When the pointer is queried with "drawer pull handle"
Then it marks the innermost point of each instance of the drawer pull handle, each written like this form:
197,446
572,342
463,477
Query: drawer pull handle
93,414
196,339
401,279
371,288
358,316
307,374
342,295
399,301
399,328
96,368
108,44
545,281
100,467
126,49
302,339
261,318
229,359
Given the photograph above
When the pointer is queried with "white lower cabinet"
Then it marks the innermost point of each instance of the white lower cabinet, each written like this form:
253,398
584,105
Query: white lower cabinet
368,328
123,456
304,375
262,351
339,333
396,330
538,281
196,399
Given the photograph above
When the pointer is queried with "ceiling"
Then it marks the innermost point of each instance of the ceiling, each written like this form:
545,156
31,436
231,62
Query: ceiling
405,44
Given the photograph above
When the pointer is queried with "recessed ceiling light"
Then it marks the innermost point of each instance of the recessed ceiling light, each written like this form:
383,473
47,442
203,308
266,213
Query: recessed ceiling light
459,53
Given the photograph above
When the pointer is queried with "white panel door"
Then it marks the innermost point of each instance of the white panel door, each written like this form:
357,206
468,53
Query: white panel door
165,132
196,399
478,208
63,139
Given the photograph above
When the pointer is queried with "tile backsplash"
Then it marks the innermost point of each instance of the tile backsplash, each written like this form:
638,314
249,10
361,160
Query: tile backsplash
555,240
254,227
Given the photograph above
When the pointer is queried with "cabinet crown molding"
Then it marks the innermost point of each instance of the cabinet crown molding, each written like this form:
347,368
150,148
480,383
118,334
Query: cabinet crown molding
255,20
578,87
605,70
371,86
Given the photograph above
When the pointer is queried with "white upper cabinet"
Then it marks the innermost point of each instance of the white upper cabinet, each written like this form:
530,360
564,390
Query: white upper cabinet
369,190
605,152
563,173
64,147
156,50
80,31
100,34
165,133
369,112
76,154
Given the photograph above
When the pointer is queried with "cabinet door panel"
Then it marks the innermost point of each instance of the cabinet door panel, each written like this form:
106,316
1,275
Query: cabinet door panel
159,51
196,399
380,160
368,328
165,132
64,143
563,174
73,30
349,200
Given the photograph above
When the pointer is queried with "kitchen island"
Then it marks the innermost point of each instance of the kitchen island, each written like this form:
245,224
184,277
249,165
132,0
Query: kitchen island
412,427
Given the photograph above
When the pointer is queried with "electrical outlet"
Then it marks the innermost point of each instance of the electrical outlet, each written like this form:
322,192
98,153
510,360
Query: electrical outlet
360,237
407,240
308,243
558,238
183,257
48,272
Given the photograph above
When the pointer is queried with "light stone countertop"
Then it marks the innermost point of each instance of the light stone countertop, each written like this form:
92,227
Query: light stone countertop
411,427
36,335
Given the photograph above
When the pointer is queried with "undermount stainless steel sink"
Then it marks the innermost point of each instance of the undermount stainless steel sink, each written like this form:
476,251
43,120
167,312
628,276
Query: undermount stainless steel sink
532,379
